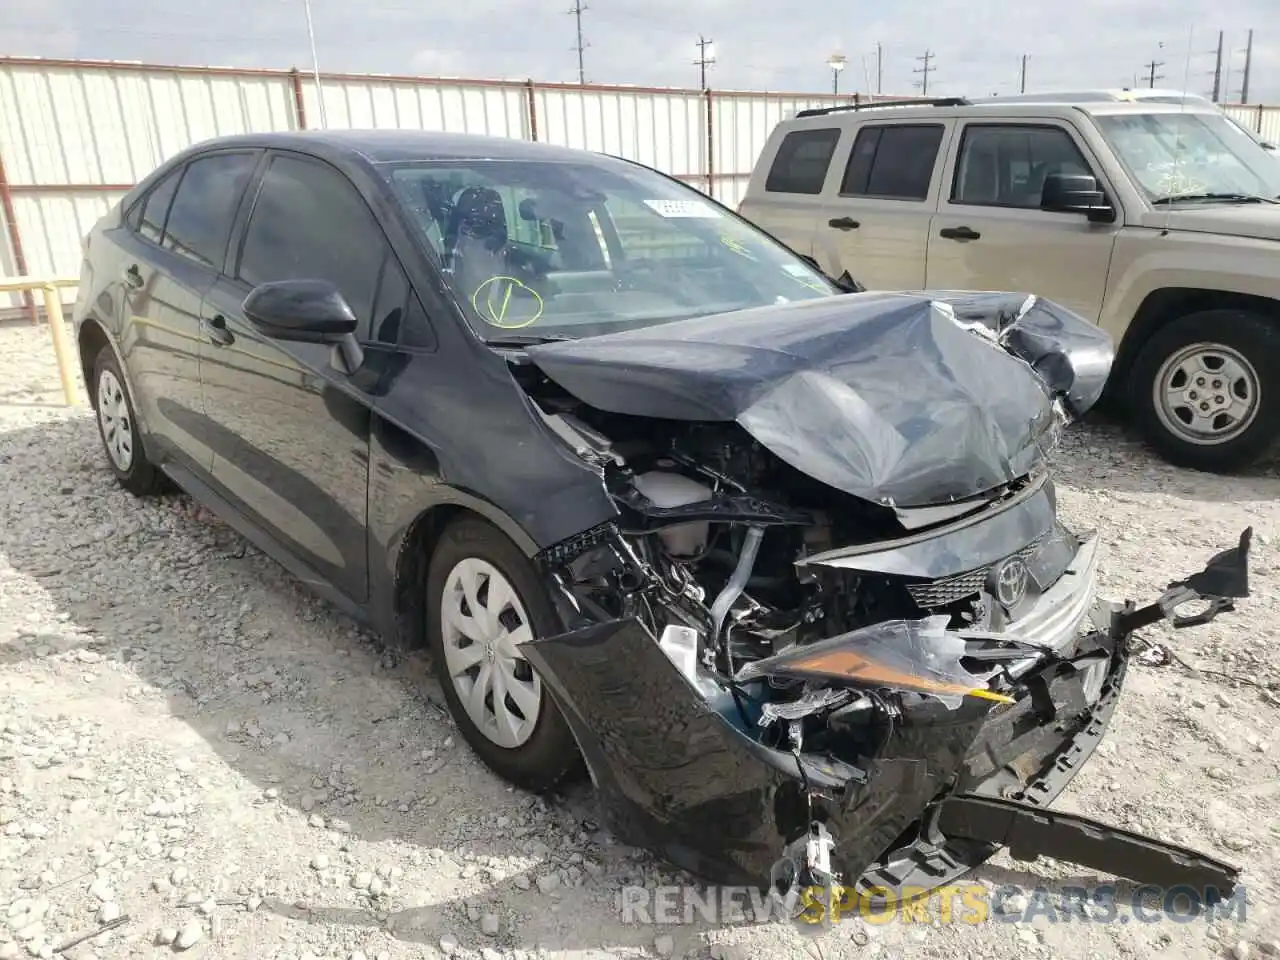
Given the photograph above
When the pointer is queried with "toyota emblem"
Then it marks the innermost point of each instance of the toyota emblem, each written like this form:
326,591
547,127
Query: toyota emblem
1011,582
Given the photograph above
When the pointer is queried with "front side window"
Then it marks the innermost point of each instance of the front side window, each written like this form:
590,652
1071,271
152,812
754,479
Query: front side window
571,249
310,223
1005,165
208,195
892,161
1202,157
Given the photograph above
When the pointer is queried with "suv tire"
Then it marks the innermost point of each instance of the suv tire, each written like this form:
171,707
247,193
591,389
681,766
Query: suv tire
1214,371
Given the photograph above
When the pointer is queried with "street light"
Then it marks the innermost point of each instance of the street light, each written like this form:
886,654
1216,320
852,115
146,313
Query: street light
837,62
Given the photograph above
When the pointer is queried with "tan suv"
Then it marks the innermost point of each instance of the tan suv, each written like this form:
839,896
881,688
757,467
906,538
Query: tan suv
1157,221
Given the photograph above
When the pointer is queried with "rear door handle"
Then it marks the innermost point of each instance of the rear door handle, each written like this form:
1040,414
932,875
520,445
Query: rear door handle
218,333
133,277
958,233
844,223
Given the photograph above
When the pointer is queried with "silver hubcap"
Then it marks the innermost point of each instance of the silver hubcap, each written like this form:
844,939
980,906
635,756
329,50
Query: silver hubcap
113,416
483,624
1207,394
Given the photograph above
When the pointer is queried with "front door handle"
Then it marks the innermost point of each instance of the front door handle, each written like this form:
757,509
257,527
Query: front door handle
133,277
218,333
844,223
958,233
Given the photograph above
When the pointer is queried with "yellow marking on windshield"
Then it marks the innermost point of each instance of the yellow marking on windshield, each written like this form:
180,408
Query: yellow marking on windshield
496,314
737,246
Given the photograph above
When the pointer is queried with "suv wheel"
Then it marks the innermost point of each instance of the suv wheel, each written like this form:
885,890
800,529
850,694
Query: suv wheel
484,599
1205,389
118,428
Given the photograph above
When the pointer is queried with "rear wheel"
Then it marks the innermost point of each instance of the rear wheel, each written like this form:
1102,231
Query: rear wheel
118,428
484,600
1205,389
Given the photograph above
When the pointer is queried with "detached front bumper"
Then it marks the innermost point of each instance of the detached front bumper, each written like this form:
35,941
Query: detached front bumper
682,775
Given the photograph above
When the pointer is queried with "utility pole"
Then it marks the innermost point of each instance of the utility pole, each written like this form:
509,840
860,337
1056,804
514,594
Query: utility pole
1022,82
924,72
1152,76
1217,72
879,69
577,11
704,59
1248,62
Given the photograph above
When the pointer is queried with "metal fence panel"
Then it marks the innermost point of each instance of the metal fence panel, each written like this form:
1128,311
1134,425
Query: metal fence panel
396,103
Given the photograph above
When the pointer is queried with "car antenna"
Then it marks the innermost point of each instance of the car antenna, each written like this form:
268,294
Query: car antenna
1182,109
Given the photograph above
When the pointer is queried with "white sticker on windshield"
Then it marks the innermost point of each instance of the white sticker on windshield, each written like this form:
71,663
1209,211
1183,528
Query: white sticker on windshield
689,209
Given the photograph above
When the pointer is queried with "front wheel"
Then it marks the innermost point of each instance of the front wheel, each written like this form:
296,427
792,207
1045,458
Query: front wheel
1205,389
484,600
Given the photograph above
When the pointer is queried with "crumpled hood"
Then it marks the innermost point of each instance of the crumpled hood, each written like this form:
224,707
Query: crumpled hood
914,399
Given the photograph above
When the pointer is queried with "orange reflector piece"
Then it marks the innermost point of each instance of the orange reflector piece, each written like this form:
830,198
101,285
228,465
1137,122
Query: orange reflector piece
856,666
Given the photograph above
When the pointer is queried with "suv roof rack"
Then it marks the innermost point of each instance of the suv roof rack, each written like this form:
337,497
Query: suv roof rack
926,102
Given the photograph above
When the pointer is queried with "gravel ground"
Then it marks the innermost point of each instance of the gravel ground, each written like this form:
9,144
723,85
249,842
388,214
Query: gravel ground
191,744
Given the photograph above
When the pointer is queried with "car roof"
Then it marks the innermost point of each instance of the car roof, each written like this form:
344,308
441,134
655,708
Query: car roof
398,146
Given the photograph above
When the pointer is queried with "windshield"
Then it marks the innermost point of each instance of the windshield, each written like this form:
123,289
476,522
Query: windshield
1193,154
549,249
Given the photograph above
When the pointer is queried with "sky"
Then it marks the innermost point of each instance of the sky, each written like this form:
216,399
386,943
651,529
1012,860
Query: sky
976,47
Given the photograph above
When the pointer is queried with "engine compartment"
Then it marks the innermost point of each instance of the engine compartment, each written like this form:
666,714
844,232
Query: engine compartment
708,554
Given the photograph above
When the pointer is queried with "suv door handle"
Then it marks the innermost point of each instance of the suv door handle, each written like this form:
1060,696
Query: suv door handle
133,277
958,233
844,223
218,333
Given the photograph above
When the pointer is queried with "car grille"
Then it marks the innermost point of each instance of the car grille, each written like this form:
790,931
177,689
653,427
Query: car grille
931,594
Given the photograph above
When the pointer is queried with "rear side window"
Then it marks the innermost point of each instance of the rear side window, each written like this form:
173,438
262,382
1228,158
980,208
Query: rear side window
155,207
310,223
200,218
892,161
802,161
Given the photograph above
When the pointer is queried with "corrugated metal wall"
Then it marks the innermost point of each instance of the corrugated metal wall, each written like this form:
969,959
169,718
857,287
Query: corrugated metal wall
74,135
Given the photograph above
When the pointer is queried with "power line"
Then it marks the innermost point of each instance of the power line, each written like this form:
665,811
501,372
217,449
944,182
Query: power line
924,71
1152,76
703,60
577,11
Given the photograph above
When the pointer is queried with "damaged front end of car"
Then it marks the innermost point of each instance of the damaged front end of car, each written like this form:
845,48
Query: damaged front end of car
837,633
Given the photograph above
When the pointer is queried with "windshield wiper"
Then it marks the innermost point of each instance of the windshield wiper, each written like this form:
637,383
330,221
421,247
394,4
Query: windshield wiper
1223,197
522,340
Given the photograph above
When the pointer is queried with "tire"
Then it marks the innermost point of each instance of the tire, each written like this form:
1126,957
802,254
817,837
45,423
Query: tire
118,429
543,753
1250,344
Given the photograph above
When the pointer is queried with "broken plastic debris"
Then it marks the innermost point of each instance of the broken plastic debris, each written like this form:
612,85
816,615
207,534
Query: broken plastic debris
920,656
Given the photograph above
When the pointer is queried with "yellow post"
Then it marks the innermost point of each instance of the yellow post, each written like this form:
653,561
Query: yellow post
61,343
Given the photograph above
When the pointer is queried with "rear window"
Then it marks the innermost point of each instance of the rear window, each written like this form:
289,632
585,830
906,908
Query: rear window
802,160
892,161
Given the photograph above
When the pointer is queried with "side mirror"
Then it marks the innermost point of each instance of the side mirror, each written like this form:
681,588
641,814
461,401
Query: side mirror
307,311
1076,193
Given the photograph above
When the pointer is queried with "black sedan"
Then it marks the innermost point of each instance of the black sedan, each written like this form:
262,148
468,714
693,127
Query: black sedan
777,557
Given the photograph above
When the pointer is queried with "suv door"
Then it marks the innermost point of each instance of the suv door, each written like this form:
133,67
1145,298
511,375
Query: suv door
291,432
789,200
173,245
876,213
990,233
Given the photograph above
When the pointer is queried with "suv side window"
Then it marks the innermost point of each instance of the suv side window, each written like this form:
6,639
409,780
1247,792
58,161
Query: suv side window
154,207
1005,165
200,218
802,160
893,161
310,223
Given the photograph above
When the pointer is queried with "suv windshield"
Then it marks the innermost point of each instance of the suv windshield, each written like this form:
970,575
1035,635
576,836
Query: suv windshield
571,249
1199,155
